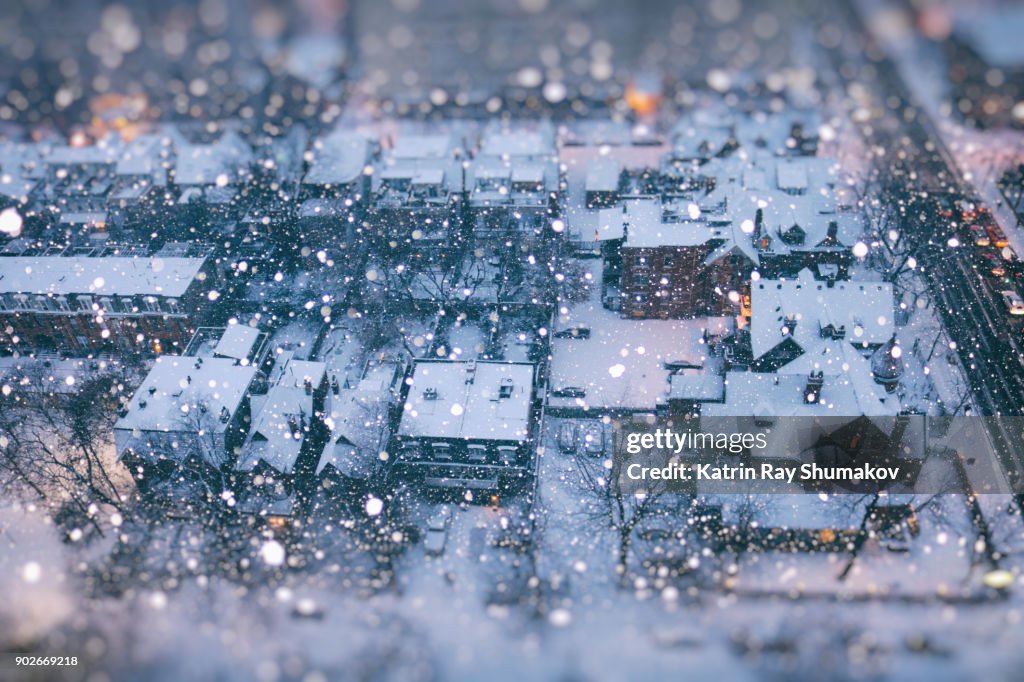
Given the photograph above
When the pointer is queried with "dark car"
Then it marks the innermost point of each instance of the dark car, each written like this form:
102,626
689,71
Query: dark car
569,392
573,333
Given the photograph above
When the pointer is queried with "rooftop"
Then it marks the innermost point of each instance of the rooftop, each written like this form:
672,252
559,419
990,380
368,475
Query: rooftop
182,394
106,276
473,400
338,158
802,308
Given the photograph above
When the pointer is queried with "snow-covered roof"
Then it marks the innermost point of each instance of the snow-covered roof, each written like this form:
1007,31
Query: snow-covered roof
18,165
603,175
106,276
357,417
416,175
696,384
511,143
844,393
174,394
646,228
237,342
143,156
863,309
283,415
101,153
622,366
83,218
474,400
203,164
791,175
338,158
422,147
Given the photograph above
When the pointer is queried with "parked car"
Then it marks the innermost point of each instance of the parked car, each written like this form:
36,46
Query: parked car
573,333
568,434
593,440
436,536
569,392
1013,302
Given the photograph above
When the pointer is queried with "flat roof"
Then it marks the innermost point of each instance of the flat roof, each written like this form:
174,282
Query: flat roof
237,342
102,276
463,399
177,388
603,175
422,147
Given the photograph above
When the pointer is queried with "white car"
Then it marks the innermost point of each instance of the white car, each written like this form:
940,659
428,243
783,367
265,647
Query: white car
593,440
437,532
1013,302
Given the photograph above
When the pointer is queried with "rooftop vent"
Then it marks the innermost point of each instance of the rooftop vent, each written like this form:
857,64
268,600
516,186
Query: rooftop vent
812,392
430,394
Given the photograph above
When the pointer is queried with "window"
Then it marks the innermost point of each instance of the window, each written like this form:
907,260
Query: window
668,260
508,454
442,452
477,454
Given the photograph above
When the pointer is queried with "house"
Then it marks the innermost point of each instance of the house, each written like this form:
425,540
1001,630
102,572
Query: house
209,177
601,186
21,171
287,425
335,188
679,261
358,417
791,216
415,191
140,180
337,166
84,303
803,325
467,425
76,183
189,411
513,182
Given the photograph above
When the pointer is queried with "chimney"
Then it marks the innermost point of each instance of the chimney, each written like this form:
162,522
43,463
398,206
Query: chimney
900,427
789,325
758,223
832,236
812,392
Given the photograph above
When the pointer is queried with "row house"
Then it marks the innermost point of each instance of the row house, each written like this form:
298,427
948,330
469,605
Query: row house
81,304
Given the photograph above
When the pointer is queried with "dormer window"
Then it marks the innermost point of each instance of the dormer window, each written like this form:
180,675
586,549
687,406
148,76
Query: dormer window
794,236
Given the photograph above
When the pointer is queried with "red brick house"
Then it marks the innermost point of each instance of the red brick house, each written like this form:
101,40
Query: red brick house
82,304
680,266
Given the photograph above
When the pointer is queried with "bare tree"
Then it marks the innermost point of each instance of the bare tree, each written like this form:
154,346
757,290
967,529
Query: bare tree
59,446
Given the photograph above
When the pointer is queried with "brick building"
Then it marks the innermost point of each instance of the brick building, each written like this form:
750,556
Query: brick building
81,304
677,266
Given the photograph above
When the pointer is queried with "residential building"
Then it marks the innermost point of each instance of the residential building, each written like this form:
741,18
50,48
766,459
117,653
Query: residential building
467,425
190,411
81,304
